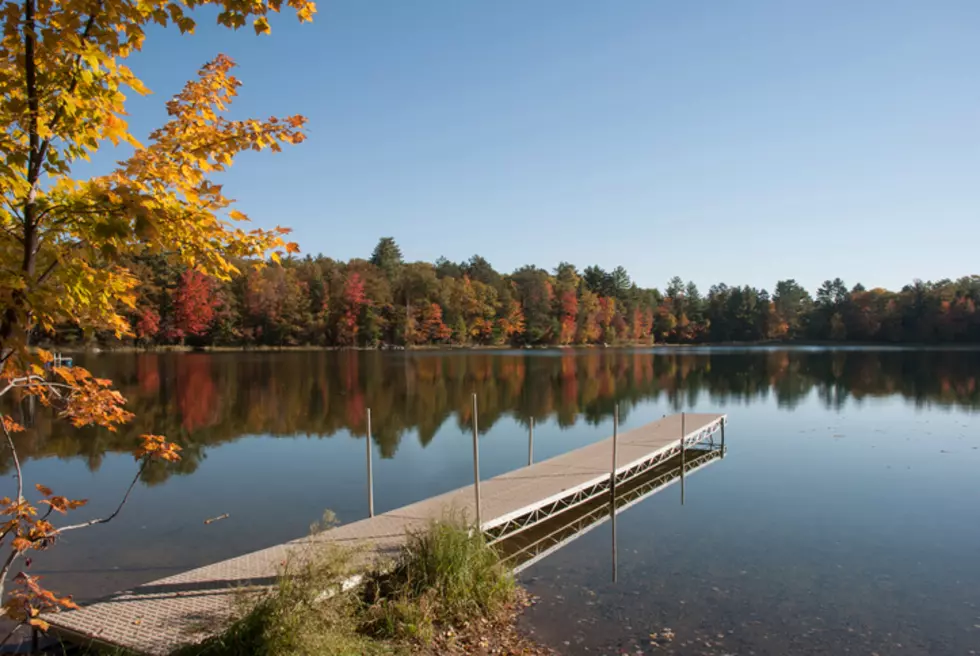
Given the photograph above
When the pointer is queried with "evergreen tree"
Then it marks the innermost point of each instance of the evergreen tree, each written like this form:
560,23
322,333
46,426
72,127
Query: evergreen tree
387,256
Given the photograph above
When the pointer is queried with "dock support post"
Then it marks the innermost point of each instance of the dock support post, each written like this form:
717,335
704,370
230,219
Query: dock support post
722,437
683,452
476,467
530,443
612,491
370,471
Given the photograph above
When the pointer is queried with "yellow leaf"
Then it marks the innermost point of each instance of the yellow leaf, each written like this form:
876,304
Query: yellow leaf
262,25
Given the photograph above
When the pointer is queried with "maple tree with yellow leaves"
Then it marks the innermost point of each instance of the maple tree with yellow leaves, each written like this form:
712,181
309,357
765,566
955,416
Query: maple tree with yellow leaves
65,241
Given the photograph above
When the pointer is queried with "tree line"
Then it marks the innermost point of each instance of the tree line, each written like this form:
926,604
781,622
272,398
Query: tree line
385,301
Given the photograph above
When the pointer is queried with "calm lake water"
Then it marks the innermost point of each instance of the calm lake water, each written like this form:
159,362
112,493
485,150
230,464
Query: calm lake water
845,517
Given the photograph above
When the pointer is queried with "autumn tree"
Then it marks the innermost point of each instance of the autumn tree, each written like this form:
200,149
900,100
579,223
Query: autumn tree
510,323
68,242
607,317
275,309
351,307
535,292
194,305
588,331
147,324
568,315
566,288
431,325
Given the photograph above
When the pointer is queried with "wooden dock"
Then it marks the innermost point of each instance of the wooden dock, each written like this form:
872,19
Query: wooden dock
157,617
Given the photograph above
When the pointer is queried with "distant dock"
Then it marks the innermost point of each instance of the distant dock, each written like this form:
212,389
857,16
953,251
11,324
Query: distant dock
160,616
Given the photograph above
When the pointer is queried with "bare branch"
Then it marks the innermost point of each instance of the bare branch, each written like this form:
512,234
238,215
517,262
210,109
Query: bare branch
24,381
14,554
109,518
20,477
12,632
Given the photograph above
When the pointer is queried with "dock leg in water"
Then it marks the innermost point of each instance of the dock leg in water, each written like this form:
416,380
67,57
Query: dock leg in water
612,492
476,466
530,443
370,471
683,454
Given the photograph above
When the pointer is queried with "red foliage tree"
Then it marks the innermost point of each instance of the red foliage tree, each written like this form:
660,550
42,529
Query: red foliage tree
147,324
194,305
569,314
354,299
431,326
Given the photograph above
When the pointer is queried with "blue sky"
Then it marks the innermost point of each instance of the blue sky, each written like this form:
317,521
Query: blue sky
742,141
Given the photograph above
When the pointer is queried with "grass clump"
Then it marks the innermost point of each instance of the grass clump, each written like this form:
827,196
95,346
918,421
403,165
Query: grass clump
309,613
312,610
445,576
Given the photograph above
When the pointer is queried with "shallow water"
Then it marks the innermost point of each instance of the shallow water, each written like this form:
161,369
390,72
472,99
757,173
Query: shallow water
844,518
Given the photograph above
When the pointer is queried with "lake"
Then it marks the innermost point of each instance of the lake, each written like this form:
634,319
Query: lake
844,518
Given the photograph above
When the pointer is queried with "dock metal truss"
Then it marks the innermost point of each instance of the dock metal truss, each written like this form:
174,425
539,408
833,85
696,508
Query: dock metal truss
528,517
580,525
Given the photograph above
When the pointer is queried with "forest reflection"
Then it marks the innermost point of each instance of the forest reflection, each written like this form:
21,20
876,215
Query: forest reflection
201,400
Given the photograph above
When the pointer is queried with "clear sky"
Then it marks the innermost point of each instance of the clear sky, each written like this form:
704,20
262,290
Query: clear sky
738,141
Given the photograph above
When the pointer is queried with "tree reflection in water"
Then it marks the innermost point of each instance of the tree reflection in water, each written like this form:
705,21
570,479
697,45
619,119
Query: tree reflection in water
201,400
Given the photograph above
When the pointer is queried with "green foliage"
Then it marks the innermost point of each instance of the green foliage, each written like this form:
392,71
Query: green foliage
387,256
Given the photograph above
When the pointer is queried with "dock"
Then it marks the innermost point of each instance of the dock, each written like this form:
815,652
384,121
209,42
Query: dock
162,615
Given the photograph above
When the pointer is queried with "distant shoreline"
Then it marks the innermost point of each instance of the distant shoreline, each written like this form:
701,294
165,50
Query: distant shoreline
446,348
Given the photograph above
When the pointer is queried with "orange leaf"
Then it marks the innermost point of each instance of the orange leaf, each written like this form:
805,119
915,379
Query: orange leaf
39,623
58,503
21,544
46,491
11,426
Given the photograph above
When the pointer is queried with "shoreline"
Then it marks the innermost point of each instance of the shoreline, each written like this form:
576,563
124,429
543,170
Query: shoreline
476,348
